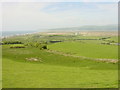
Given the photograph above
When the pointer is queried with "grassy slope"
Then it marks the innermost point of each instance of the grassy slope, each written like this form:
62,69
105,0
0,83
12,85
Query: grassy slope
90,49
0,67
55,71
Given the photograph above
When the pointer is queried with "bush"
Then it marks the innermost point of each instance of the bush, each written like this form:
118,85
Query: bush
44,47
37,45
17,46
12,42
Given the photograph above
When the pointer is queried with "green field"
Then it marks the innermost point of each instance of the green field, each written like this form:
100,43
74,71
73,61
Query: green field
0,67
71,63
90,49
54,71
51,44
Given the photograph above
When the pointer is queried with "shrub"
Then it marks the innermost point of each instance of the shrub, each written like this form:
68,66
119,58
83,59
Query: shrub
37,45
44,47
12,42
17,46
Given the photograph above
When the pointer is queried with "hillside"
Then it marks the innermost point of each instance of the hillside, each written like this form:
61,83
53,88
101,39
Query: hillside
90,28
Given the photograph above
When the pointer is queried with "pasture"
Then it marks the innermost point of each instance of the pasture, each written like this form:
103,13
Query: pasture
27,66
90,49
54,70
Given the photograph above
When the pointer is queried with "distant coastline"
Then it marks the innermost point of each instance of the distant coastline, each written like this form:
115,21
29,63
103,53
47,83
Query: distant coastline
106,28
12,33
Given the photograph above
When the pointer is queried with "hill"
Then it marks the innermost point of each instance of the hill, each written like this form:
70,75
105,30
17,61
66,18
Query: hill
90,28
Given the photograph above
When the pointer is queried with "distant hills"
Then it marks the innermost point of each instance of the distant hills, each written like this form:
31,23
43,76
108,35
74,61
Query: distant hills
89,28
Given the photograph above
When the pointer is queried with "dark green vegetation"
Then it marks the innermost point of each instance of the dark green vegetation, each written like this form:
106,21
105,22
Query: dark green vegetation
37,45
31,67
11,42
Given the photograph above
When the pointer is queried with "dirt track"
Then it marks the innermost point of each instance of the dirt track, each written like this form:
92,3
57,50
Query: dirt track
96,59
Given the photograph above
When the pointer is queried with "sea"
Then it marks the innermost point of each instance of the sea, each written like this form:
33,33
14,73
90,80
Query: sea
12,33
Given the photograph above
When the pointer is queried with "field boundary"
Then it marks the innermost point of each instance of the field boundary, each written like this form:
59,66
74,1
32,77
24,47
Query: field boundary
83,57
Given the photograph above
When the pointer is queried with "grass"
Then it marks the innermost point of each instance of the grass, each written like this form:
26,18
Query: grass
1,67
89,48
55,71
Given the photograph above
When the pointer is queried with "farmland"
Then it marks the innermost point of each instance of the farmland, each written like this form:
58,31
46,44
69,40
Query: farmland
86,49
31,67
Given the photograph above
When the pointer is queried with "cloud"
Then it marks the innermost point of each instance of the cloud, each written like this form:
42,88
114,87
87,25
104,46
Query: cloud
26,16
0,19
59,0
32,16
109,6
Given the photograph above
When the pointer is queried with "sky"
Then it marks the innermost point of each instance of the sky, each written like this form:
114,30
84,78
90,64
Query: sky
46,15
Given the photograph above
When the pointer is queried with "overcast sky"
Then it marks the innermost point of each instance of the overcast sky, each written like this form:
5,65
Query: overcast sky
44,15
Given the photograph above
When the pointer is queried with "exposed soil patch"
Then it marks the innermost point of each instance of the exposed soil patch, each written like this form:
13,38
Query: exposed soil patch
108,60
34,59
